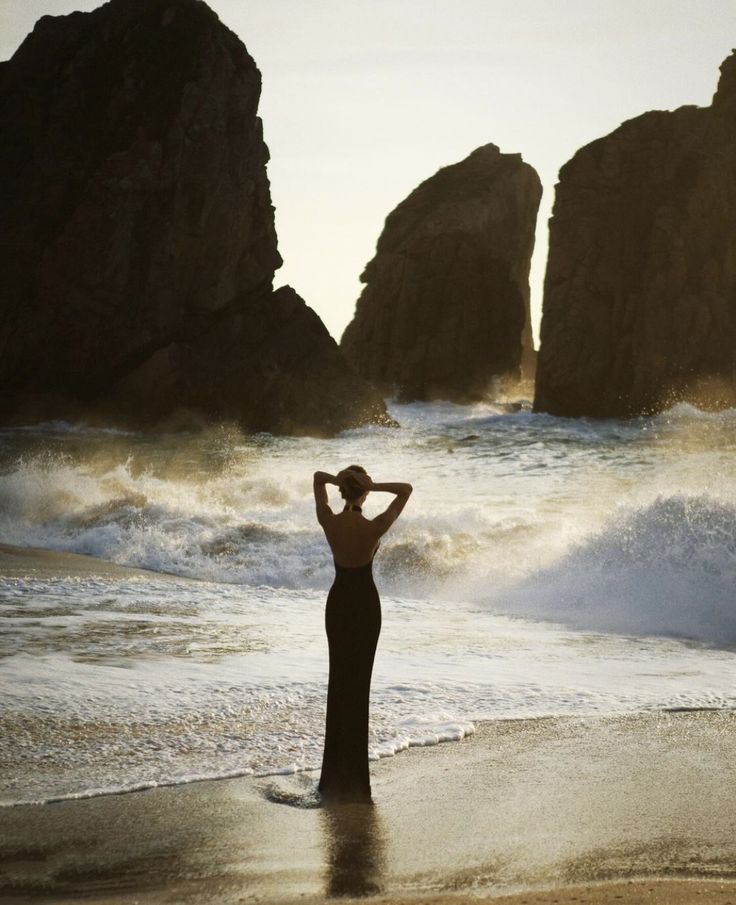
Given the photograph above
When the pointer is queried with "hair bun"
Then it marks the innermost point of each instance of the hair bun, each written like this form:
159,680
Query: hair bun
349,488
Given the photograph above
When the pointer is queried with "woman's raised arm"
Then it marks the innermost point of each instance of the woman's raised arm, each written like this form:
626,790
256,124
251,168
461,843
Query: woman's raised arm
321,479
403,491
397,488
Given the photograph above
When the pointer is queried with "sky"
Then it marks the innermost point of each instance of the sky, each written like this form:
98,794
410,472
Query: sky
364,99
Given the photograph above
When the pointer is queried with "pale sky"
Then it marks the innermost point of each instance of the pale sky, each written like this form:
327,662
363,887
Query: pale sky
364,99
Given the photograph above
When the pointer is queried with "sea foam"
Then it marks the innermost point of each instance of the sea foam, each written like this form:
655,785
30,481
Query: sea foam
667,568
543,566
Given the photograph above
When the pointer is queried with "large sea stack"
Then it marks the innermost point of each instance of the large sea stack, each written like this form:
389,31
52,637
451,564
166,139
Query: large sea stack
445,309
138,245
640,291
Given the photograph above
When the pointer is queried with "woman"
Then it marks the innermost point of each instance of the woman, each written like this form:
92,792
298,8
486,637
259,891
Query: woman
353,621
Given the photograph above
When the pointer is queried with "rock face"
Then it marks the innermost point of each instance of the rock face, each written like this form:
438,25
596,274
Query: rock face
138,247
286,368
640,290
445,308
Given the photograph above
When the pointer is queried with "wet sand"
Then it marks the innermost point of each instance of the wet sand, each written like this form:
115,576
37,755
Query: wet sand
632,892
33,562
521,807
630,809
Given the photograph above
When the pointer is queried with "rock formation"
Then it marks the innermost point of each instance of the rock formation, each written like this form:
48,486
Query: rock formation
640,290
445,308
138,246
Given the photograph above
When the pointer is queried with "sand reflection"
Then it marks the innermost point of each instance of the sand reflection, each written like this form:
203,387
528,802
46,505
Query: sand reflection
354,849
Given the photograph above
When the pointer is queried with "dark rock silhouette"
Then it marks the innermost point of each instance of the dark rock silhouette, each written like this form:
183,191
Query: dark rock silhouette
640,291
445,308
283,360
138,247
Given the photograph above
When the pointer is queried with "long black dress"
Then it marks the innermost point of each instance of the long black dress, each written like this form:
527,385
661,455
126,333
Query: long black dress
353,622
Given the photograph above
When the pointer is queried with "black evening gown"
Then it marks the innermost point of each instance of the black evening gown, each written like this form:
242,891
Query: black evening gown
353,622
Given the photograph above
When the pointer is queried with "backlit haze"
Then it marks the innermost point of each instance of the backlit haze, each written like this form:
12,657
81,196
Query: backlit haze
363,100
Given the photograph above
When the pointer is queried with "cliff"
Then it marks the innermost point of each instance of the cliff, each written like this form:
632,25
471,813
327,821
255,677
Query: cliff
445,308
139,251
640,290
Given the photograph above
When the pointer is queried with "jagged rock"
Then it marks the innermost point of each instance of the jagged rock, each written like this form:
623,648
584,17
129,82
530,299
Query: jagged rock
445,309
287,365
139,247
640,291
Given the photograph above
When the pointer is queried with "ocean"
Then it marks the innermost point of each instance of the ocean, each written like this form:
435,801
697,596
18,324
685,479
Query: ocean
543,566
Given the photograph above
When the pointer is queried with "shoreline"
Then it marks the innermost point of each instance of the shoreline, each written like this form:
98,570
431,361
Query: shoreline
630,808
41,563
555,808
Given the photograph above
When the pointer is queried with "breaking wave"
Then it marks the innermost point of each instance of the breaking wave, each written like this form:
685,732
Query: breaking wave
511,511
668,568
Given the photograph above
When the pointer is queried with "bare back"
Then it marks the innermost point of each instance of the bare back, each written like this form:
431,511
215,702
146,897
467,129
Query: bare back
353,538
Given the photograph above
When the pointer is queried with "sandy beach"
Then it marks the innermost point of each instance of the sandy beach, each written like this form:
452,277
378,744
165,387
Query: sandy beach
33,562
635,808
367,423
578,807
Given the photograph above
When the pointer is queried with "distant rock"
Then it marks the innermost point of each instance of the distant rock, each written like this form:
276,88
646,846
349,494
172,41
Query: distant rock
445,309
640,291
138,247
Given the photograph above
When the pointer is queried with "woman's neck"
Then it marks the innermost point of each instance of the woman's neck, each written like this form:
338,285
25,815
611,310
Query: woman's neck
352,507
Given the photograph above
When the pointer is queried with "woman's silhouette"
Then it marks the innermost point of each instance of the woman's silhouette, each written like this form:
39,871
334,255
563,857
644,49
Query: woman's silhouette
353,622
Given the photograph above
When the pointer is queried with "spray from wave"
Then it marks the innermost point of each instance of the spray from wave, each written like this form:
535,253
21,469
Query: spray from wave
510,512
667,568
123,683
